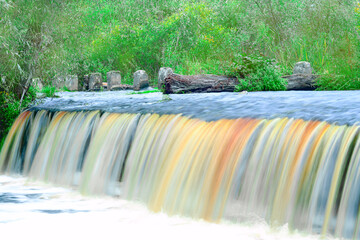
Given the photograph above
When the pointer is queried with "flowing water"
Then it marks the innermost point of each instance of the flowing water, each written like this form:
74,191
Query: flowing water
221,160
34,210
340,107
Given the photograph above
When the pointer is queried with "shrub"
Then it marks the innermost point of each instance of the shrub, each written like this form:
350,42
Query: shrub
10,108
49,91
258,74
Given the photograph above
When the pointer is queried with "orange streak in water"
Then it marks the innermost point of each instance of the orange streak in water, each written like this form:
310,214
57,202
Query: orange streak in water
240,132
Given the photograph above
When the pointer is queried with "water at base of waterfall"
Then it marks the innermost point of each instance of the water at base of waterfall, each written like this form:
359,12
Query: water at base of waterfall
33,210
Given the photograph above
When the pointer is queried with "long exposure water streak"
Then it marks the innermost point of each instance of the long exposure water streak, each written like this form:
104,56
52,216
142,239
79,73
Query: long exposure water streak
303,173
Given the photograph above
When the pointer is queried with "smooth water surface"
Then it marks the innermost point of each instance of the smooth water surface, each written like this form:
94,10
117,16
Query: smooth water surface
340,107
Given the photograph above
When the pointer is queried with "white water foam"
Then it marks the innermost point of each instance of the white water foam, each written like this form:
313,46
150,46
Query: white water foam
30,210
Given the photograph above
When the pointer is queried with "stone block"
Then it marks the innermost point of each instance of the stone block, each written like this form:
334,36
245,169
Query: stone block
72,82
302,68
59,82
163,73
141,80
36,82
95,81
113,80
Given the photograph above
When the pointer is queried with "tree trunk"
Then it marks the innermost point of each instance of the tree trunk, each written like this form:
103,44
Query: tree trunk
175,83
27,85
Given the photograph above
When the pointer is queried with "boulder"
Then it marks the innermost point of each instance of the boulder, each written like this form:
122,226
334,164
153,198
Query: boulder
163,73
95,81
141,80
59,82
302,68
175,83
72,82
36,82
113,80
301,82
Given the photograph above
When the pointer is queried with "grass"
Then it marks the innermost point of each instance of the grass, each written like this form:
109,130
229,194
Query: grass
145,92
49,91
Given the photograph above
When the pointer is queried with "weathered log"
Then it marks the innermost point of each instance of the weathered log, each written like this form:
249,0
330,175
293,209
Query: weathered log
122,87
175,83
301,82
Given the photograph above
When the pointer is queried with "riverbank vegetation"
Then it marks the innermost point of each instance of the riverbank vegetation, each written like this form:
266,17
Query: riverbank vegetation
48,38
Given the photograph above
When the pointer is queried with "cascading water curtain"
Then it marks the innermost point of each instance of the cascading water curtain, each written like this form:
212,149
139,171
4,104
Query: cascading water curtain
304,173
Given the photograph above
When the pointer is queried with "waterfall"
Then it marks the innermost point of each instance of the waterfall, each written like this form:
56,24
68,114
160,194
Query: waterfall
304,173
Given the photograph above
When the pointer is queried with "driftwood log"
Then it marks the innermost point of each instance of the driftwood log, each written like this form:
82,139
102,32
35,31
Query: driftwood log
121,87
301,82
175,83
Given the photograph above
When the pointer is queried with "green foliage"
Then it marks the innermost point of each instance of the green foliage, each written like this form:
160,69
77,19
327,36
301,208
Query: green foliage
46,38
49,91
10,108
338,82
257,74
145,92
65,89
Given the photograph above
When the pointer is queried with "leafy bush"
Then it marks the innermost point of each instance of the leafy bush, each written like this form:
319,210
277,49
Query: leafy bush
258,74
49,91
10,108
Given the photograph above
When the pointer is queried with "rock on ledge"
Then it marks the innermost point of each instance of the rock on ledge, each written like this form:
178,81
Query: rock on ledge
141,80
302,68
72,82
302,77
163,73
95,81
301,82
113,80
